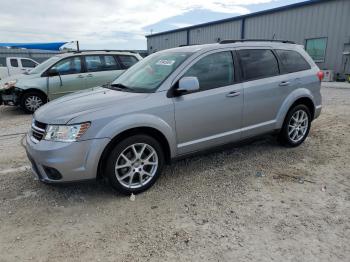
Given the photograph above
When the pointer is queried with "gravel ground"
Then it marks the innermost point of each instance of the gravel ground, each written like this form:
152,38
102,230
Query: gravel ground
207,208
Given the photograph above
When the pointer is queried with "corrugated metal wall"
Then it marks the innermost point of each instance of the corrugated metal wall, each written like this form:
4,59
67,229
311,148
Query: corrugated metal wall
214,33
329,19
166,41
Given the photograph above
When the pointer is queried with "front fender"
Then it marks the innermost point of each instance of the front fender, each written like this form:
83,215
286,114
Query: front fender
124,123
289,101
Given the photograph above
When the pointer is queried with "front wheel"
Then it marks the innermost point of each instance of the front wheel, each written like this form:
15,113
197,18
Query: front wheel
296,126
135,164
31,101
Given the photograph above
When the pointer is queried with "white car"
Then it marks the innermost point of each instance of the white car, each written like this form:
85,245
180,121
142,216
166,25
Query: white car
64,74
16,65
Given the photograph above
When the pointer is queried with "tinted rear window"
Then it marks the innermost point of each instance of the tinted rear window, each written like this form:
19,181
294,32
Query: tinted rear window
127,60
258,63
292,61
14,62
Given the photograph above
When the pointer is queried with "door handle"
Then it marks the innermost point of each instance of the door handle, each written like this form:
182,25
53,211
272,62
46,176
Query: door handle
284,83
80,76
90,75
233,94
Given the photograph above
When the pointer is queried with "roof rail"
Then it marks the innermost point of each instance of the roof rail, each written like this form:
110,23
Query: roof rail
106,50
255,40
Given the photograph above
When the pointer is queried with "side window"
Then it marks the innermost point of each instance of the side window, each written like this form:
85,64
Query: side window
28,63
212,71
14,62
110,63
68,66
258,63
292,61
93,63
127,60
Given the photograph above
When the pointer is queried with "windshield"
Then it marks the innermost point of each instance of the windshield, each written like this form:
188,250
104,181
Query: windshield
44,65
148,74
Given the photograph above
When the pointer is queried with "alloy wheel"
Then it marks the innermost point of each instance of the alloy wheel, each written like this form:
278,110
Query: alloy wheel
298,126
136,165
32,103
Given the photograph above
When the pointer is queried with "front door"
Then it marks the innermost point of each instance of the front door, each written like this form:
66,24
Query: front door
212,115
27,64
71,78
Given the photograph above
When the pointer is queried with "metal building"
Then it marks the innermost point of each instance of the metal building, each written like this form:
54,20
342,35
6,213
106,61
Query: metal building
322,26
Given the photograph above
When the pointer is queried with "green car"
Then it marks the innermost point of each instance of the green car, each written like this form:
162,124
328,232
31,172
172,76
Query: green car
64,74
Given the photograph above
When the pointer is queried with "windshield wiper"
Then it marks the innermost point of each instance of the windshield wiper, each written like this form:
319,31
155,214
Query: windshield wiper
120,87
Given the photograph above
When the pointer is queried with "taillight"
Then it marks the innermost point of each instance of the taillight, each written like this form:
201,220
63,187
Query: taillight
320,75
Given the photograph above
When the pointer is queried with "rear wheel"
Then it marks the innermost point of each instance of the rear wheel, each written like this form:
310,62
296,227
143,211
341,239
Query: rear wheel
135,164
31,101
296,126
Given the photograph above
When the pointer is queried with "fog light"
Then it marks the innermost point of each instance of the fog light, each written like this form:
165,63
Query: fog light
52,173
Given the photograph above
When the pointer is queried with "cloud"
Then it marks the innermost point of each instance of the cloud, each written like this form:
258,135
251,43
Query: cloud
112,21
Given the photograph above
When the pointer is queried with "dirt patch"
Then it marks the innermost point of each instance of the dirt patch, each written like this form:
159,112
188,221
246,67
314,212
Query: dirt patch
250,203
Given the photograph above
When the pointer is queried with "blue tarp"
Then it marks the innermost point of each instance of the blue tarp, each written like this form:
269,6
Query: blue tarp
42,46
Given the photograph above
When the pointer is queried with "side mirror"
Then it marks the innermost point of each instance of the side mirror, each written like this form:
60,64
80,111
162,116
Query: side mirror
188,84
53,72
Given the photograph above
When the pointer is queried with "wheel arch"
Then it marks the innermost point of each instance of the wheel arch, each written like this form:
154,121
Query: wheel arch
307,102
33,90
151,131
300,96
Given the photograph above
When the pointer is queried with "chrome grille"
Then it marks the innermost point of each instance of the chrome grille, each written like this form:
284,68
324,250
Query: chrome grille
38,131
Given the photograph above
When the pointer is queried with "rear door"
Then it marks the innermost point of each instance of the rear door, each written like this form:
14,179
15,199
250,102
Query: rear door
263,90
13,65
71,78
101,69
294,69
212,115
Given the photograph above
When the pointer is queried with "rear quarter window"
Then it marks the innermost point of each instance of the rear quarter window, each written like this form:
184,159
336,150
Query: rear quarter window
258,63
292,61
127,61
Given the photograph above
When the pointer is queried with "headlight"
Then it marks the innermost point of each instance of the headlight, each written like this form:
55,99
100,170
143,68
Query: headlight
8,84
65,133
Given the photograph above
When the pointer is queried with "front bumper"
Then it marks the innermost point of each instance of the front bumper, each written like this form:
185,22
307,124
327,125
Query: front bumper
10,96
74,161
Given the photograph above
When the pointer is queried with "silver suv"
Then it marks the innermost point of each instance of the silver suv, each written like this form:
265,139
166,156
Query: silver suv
174,103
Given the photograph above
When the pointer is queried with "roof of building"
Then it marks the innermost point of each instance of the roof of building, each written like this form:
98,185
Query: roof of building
235,18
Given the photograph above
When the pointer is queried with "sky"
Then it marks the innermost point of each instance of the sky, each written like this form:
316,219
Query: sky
113,24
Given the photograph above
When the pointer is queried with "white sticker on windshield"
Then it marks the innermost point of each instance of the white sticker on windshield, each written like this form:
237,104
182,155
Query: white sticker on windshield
165,62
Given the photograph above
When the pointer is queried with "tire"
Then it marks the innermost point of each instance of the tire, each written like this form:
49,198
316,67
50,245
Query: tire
296,126
31,101
135,173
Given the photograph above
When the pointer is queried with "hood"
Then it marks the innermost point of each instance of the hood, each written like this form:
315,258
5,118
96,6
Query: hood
19,77
64,109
